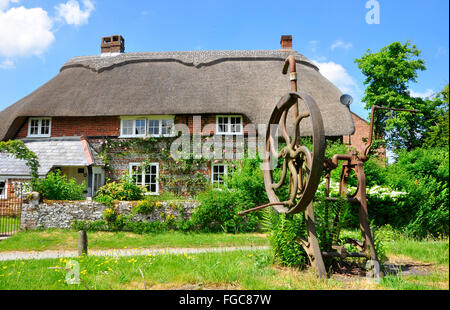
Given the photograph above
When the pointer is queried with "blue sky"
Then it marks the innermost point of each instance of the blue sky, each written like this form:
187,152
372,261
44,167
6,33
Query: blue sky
40,36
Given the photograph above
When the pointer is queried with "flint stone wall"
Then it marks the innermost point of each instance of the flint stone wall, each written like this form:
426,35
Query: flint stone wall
60,214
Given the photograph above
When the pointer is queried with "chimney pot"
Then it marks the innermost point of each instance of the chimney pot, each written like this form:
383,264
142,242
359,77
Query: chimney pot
286,42
113,44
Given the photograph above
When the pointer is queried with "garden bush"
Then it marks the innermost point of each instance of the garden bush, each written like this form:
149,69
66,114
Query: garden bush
424,174
57,186
123,190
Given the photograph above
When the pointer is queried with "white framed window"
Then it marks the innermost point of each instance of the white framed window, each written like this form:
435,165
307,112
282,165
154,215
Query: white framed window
133,127
3,188
219,173
229,124
146,177
154,126
167,127
39,127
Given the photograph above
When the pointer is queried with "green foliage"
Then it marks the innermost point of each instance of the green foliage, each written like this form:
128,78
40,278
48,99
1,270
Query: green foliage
110,215
284,237
218,209
146,206
438,134
57,186
19,150
424,175
388,74
123,190
125,223
218,212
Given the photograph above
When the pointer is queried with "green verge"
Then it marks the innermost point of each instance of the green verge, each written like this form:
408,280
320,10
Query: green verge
56,239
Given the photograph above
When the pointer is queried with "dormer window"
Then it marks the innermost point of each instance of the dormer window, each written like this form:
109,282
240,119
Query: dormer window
229,125
152,126
39,127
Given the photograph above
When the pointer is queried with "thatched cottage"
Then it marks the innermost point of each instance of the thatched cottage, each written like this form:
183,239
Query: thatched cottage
117,97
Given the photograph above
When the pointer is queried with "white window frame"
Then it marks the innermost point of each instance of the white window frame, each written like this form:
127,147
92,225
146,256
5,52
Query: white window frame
40,119
148,118
5,194
225,173
133,135
130,169
229,132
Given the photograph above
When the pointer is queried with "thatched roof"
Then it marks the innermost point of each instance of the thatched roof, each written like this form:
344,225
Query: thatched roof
199,82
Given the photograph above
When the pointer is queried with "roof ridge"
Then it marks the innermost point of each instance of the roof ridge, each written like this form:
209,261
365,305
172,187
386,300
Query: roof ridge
198,59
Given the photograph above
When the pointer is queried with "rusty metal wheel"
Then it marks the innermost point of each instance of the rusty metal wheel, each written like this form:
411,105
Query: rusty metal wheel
301,165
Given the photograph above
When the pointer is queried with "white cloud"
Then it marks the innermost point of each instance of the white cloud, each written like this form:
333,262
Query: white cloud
4,4
427,94
73,14
340,44
25,32
337,75
7,64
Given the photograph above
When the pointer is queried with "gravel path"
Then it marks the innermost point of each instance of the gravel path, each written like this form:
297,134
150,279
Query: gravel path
8,256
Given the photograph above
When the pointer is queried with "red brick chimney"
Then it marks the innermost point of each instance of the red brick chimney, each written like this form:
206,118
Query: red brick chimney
113,44
286,42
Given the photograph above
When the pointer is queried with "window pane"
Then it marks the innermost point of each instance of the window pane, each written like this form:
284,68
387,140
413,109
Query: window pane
218,174
166,126
127,127
34,127
153,127
2,188
153,188
223,124
236,124
140,127
45,127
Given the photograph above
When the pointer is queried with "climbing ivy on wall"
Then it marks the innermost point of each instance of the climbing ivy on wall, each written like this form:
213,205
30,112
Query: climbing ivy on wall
19,150
179,176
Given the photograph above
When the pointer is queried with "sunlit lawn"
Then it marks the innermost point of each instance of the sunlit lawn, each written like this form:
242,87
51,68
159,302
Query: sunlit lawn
67,240
252,270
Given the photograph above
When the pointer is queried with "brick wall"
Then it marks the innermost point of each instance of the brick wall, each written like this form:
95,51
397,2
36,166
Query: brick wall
106,125
360,137
80,126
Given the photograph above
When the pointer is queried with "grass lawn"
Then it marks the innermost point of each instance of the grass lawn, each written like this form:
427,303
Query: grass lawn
247,270
67,240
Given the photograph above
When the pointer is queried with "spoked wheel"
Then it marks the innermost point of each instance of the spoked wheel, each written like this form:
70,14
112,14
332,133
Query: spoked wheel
301,165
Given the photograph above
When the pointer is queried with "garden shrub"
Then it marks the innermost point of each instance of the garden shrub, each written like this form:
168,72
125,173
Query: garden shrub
218,212
123,190
146,206
110,215
424,175
57,186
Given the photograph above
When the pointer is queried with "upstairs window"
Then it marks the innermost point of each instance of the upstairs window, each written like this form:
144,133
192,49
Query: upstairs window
229,124
142,127
146,177
160,127
39,127
133,127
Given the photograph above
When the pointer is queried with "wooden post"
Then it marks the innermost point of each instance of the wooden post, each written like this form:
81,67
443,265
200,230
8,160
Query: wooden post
82,243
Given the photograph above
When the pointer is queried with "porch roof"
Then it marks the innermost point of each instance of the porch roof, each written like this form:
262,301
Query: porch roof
52,152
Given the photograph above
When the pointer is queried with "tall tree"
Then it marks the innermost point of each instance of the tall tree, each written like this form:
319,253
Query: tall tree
388,75
438,135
